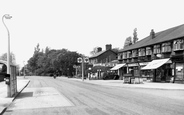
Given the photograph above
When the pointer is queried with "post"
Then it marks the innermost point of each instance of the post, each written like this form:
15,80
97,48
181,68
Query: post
82,69
7,16
24,69
76,71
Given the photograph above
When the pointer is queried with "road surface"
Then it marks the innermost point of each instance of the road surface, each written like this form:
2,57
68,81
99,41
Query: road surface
63,96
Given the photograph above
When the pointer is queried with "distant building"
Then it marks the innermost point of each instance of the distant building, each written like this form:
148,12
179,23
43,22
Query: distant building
103,60
104,57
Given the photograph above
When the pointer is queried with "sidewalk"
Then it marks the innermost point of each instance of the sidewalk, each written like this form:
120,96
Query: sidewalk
147,85
6,101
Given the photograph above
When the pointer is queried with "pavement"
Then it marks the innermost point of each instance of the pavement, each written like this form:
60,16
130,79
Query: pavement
145,84
6,101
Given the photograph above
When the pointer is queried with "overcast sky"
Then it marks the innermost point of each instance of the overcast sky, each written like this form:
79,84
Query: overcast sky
81,25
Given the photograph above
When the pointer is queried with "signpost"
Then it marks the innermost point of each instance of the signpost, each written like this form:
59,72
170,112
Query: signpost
82,60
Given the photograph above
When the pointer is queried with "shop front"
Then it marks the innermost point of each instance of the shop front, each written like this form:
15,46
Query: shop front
118,70
178,71
132,72
159,70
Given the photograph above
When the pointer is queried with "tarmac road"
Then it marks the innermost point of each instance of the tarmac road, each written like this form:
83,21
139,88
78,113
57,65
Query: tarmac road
63,96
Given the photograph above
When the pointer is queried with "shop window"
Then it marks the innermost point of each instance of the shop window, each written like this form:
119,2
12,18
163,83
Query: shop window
134,53
148,51
178,44
179,71
120,56
136,71
166,47
156,49
142,52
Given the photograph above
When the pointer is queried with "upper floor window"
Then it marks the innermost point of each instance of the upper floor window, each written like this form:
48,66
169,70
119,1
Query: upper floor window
129,54
134,53
120,56
166,47
178,44
124,55
156,49
148,51
142,52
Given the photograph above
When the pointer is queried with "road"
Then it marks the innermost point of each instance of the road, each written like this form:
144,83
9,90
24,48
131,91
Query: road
72,97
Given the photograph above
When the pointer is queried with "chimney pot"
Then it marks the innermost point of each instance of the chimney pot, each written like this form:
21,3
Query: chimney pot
152,34
108,46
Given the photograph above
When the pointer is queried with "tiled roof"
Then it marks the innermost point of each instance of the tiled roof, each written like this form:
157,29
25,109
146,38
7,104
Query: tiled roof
163,36
99,53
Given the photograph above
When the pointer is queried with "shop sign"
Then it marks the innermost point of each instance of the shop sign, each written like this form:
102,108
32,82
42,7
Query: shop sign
143,63
132,64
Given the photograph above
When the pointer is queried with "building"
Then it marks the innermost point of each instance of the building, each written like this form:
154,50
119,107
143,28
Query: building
103,59
158,57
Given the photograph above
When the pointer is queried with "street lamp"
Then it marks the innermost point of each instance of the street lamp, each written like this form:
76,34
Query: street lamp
82,60
7,16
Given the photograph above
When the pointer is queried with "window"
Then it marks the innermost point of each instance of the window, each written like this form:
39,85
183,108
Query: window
124,55
148,51
166,47
156,49
142,52
178,44
129,55
119,56
134,53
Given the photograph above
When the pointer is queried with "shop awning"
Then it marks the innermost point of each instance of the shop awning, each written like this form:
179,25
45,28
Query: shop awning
117,66
155,64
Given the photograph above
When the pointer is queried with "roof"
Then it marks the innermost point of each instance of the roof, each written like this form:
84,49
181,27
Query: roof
100,53
163,36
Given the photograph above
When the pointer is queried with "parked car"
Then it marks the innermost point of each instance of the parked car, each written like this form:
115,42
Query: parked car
111,76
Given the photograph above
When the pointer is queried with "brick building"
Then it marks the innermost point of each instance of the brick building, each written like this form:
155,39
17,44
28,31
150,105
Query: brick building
159,57
103,59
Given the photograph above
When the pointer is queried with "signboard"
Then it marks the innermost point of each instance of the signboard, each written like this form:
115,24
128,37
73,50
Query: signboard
79,60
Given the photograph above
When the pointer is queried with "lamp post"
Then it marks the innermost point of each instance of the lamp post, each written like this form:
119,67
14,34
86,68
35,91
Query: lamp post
24,68
7,16
82,60
89,73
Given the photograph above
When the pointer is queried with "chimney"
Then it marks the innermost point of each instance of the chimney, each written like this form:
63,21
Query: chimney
108,46
99,49
152,34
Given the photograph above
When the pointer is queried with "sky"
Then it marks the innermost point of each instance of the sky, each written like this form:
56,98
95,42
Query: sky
81,25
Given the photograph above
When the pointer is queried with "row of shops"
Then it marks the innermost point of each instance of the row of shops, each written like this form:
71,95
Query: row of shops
159,70
159,57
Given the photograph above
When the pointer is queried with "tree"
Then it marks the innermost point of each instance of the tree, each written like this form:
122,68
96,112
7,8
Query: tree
33,61
52,61
135,39
128,42
12,58
94,51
